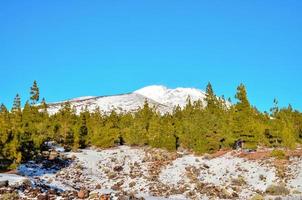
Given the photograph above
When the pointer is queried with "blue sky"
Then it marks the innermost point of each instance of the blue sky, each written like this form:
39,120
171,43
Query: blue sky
77,48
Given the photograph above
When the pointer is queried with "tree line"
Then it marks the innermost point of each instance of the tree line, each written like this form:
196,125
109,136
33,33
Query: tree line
201,126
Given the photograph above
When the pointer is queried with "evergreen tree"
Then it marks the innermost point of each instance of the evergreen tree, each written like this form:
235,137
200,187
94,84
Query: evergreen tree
247,125
5,132
83,131
139,132
162,133
243,102
35,93
211,98
16,115
17,104
43,106
65,126
275,108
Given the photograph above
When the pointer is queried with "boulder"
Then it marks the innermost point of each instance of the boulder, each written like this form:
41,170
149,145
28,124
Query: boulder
98,186
105,197
45,154
43,197
4,183
53,155
118,168
83,193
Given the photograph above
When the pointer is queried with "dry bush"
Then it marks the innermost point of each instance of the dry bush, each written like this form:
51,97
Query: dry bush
277,190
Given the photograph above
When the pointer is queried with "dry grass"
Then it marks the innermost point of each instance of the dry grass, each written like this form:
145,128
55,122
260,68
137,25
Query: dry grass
258,155
10,196
277,190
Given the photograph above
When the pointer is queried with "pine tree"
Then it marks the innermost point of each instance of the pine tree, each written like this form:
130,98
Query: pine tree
16,115
274,110
161,133
247,125
141,125
241,96
43,106
11,148
66,125
5,132
211,98
35,93
17,104
83,131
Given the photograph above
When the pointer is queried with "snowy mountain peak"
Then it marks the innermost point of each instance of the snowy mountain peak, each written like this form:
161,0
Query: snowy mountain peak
158,96
171,97
155,92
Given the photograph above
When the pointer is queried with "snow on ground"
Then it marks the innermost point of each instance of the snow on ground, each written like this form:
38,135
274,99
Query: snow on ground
295,172
117,163
175,173
160,97
221,171
12,179
171,176
224,169
32,169
101,167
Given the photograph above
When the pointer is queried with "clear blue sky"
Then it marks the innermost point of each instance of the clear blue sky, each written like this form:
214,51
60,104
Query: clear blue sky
76,48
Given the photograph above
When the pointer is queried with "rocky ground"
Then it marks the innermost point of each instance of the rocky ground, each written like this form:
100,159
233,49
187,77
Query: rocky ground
144,173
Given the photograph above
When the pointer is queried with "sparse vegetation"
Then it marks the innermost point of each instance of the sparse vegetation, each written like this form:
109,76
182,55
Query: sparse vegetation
9,196
277,190
279,154
257,197
240,181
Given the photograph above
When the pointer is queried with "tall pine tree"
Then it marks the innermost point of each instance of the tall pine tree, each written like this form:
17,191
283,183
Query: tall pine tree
35,93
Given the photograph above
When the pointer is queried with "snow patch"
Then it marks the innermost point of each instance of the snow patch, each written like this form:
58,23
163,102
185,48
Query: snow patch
12,179
295,172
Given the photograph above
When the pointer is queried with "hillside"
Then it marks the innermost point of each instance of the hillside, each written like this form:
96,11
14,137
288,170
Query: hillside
160,97
208,150
146,173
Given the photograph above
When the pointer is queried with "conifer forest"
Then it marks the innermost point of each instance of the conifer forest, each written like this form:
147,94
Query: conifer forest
199,127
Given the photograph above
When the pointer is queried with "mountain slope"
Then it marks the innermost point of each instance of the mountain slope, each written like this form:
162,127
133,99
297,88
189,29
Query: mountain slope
160,97
171,97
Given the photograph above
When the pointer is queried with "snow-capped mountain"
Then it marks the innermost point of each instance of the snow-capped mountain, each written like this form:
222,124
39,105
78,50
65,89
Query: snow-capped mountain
161,97
171,97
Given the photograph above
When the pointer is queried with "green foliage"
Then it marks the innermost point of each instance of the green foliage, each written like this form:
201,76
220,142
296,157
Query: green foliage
277,153
35,93
161,133
201,127
83,130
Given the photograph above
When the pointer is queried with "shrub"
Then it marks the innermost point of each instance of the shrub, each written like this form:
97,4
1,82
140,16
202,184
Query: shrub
257,197
10,196
240,181
277,153
277,190
296,192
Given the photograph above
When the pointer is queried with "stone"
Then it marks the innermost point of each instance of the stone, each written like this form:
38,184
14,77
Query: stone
53,155
4,183
83,193
105,197
118,168
42,197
